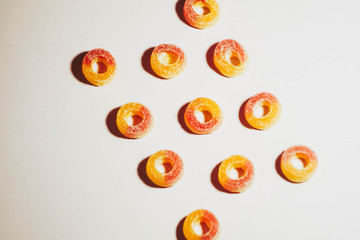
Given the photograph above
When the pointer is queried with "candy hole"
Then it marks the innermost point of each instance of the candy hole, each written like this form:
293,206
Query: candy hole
99,67
164,166
203,116
261,110
299,161
202,227
168,58
236,173
233,58
134,120
201,8
235,61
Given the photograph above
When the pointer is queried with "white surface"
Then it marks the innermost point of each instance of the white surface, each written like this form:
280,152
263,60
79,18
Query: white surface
64,175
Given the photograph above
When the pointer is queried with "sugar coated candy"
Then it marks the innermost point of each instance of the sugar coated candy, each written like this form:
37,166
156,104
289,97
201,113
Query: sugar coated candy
201,13
306,155
106,67
206,219
213,117
245,176
168,60
172,173
230,58
134,120
271,110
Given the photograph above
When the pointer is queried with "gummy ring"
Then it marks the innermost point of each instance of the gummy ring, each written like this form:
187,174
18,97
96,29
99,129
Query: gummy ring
130,110
306,155
230,58
245,179
201,216
165,179
99,56
167,60
208,17
203,105
272,110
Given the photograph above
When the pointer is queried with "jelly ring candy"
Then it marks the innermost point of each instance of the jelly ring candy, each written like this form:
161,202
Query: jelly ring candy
201,13
272,110
230,58
106,73
306,155
204,105
246,173
201,217
163,157
130,111
167,60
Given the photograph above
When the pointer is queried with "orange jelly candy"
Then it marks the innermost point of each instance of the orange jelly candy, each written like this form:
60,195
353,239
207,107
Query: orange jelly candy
201,13
210,109
171,175
230,58
245,173
167,60
106,63
201,219
306,155
141,116
271,110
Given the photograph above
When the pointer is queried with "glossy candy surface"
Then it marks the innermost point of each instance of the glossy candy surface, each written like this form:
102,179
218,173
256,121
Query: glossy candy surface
308,158
245,179
104,58
196,218
272,110
230,58
166,179
127,112
201,13
167,60
203,105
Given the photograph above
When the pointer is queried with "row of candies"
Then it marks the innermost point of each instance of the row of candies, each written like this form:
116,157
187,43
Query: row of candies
167,61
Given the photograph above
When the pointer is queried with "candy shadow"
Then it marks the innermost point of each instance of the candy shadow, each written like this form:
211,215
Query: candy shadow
242,116
76,68
111,124
145,62
143,176
279,171
210,59
179,230
181,119
179,8
215,180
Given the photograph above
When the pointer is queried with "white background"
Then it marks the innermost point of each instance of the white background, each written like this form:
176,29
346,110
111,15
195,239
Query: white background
66,174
